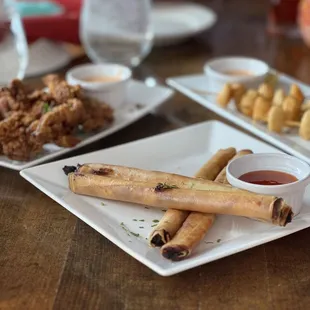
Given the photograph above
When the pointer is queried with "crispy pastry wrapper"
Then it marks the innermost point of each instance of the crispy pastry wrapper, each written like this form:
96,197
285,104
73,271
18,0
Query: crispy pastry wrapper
194,228
224,201
173,219
221,177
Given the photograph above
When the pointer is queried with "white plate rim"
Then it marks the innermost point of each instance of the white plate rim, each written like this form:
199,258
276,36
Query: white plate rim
191,263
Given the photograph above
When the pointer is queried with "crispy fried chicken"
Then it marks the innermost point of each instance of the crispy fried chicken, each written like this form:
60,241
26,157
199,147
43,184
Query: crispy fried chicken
16,140
60,121
60,90
97,116
30,119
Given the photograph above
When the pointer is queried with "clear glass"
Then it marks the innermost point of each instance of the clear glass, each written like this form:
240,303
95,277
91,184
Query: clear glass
13,44
118,31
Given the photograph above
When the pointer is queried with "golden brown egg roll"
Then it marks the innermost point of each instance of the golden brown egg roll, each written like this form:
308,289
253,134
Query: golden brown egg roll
194,228
221,178
173,219
227,201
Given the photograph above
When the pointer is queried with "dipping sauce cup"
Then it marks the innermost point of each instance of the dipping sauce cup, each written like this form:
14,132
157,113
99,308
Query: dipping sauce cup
292,193
248,71
105,82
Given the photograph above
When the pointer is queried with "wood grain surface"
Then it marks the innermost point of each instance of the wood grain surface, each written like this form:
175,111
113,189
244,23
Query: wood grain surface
51,260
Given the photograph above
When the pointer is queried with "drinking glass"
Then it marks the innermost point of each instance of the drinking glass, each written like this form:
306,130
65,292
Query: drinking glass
116,31
282,18
13,44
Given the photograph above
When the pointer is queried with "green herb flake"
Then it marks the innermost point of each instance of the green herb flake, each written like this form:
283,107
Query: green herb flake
128,231
154,225
102,203
141,227
135,220
218,240
141,220
155,221
46,108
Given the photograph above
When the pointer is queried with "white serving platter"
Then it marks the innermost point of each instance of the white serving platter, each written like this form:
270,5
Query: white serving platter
181,151
191,85
141,101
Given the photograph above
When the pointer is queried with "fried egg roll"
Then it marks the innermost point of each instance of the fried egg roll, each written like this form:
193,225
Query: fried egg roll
194,228
173,219
226,201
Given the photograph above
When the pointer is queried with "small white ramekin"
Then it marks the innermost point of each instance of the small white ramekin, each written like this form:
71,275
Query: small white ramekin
113,93
215,72
292,193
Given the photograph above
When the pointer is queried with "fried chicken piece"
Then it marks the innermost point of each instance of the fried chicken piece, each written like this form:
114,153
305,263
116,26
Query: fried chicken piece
98,115
41,95
4,105
13,98
22,148
51,79
61,90
18,90
17,141
60,121
9,127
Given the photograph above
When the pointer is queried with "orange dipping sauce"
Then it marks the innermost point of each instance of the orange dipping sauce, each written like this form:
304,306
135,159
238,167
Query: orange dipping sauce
102,79
268,177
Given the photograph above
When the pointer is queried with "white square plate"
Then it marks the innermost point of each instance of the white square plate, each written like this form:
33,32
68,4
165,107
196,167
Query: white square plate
141,100
288,142
181,151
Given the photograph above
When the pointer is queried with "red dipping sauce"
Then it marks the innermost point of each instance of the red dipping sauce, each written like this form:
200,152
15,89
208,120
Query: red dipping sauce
268,177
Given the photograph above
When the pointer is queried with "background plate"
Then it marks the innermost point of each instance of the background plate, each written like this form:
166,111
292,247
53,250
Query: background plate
141,100
288,142
181,151
175,22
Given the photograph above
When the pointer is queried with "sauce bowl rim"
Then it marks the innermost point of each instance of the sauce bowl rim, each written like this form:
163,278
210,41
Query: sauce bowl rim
209,68
236,180
79,69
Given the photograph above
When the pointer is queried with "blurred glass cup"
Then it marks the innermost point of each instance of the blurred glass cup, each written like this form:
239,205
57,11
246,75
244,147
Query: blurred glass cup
282,18
13,43
118,31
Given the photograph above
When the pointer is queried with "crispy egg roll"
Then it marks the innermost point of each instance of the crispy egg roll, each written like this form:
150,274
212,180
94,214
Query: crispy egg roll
208,172
227,201
194,228
221,178
173,219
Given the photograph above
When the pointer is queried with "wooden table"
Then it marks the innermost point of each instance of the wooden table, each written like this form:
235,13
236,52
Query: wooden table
50,259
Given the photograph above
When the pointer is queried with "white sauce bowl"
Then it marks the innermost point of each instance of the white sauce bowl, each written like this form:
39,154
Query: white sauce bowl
111,92
215,71
292,193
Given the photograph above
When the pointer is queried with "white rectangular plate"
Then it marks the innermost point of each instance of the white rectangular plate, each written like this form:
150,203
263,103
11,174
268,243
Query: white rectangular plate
181,151
288,142
141,100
